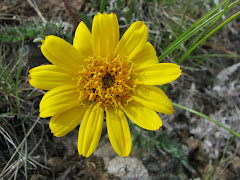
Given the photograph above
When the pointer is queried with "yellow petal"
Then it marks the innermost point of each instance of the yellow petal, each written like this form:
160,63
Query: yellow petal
62,54
90,130
157,74
142,116
58,100
118,131
105,34
83,40
62,123
153,98
47,77
147,56
133,40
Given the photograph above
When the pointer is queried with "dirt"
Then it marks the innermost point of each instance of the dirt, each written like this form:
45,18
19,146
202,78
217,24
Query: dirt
53,10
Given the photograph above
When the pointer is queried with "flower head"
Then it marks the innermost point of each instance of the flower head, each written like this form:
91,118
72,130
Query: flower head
101,73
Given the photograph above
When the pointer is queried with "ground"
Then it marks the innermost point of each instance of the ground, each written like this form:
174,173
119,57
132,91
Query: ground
210,87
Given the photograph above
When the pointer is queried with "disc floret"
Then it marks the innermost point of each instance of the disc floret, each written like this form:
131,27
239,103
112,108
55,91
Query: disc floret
108,81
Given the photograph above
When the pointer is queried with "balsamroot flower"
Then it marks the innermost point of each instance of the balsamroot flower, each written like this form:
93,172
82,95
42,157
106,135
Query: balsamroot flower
100,73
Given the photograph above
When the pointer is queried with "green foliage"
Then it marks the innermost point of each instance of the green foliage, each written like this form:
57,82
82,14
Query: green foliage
57,30
86,19
15,33
207,21
95,4
176,28
35,30
162,142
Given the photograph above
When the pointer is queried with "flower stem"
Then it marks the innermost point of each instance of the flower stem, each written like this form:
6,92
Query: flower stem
206,117
73,14
103,4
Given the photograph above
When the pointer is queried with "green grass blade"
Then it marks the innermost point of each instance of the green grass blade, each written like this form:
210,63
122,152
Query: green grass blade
217,164
18,148
102,7
207,36
18,105
213,23
7,114
206,117
197,26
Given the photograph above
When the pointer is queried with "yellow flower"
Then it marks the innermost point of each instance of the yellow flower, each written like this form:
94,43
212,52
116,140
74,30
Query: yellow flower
101,73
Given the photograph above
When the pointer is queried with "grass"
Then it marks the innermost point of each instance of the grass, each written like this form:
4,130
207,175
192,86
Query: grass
19,109
14,115
36,31
162,143
178,31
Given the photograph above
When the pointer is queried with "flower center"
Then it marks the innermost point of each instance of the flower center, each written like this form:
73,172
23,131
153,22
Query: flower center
107,81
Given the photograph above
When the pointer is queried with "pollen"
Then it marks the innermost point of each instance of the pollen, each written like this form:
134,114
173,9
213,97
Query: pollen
107,81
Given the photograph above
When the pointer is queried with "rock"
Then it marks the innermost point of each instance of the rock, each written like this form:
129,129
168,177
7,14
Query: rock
105,150
128,168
